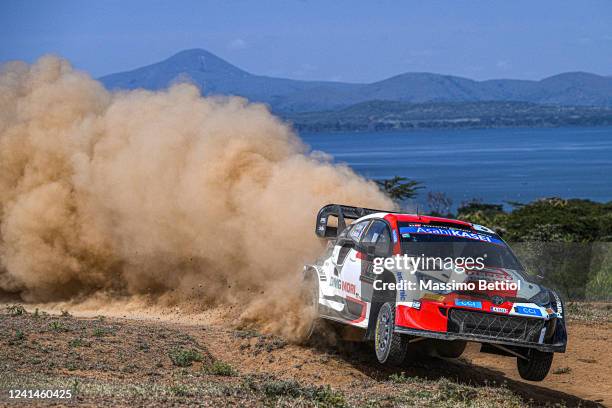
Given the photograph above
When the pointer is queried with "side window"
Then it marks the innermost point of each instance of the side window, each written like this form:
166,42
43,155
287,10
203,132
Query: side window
379,236
354,232
357,230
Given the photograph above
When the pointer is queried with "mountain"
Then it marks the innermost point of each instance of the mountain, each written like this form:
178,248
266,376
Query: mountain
216,76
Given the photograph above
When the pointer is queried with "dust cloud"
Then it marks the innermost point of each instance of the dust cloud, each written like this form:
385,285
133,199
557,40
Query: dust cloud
169,195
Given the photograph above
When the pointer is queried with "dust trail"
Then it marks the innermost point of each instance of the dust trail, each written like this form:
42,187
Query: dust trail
165,194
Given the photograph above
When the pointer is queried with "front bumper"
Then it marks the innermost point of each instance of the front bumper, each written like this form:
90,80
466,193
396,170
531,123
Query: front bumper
557,348
443,320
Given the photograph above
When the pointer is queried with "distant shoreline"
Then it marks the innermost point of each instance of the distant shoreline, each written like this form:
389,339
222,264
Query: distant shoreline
434,129
377,116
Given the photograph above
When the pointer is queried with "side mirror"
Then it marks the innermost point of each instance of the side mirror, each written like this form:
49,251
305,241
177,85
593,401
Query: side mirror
367,250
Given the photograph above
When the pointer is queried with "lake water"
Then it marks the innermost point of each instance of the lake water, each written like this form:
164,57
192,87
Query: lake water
495,165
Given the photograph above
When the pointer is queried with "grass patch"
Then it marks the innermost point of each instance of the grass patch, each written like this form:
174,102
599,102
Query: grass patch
18,337
78,342
562,370
58,326
101,331
589,312
16,310
184,357
220,368
179,390
447,393
400,378
246,334
322,396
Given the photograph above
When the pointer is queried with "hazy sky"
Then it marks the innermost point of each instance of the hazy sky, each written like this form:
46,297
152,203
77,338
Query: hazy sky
332,40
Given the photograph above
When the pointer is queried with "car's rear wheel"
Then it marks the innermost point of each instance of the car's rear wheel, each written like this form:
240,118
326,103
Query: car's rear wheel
310,297
537,367
389,345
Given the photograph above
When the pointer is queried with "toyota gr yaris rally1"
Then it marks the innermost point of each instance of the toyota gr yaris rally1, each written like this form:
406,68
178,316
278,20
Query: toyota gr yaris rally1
491,300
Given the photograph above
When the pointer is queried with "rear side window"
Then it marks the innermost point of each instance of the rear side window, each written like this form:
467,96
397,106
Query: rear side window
378,235
357,230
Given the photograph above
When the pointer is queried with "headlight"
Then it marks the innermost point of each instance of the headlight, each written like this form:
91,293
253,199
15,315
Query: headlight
542,298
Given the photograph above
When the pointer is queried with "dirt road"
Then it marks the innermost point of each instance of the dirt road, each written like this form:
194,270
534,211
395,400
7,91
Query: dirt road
117,361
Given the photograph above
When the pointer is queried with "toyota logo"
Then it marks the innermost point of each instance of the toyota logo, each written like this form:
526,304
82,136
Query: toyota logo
497,300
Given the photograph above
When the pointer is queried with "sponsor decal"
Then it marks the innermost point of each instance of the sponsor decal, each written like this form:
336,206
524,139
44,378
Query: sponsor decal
349,287
499,309
402,289
342,285
528,311
474,304
416,305
356,231
559,305
335,282
451,232
490,274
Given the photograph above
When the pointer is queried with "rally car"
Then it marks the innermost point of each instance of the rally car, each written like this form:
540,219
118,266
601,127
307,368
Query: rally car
439,308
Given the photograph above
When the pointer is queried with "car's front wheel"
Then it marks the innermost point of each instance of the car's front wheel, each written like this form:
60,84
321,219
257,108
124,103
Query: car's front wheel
390,346
537,367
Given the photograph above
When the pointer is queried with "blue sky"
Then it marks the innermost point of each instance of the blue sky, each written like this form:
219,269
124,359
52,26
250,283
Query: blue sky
356,41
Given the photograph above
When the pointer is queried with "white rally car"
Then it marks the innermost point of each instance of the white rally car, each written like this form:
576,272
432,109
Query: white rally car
496,305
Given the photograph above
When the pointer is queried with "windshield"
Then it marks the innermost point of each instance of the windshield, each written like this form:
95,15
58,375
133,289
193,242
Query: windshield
421,240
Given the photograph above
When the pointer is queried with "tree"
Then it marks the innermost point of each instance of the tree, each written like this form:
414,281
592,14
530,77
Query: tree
439,203
399,188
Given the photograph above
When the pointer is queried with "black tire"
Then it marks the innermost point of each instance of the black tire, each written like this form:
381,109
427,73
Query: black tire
449,349
390,346
310,297
537,367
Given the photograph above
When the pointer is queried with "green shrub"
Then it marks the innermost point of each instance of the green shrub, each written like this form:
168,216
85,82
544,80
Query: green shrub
400,378
16,310
58,326
322,396
19,337
220,368
184,357
179,390
562,370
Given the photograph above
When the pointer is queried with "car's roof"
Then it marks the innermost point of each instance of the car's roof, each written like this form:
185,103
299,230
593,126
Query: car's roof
427,219
421,219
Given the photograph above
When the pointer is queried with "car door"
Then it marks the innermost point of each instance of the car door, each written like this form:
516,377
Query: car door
344,251
378,238
334,292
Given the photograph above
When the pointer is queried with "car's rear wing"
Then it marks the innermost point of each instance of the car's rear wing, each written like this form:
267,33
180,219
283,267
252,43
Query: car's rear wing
323,229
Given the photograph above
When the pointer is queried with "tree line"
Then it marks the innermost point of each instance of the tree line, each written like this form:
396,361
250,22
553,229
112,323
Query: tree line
567,241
